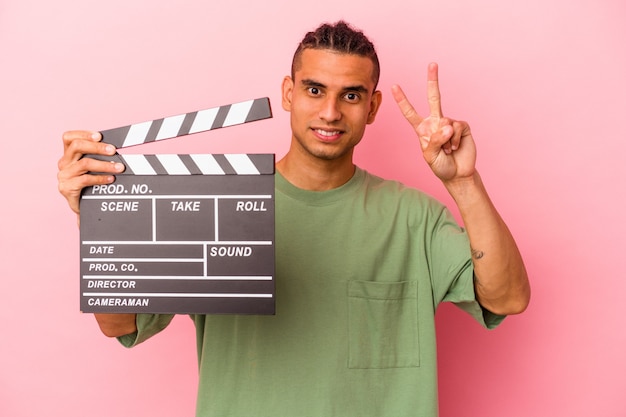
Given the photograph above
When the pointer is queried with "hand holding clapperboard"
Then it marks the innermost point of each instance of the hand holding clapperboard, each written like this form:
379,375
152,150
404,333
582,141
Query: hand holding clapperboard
181,233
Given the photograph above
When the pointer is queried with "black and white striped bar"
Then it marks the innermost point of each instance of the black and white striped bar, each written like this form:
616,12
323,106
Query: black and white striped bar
194,164
189,123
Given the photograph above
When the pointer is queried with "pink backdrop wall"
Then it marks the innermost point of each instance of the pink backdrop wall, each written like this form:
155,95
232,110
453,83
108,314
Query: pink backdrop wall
542,83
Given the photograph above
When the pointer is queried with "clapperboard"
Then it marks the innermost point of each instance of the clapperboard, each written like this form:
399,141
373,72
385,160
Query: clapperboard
181,233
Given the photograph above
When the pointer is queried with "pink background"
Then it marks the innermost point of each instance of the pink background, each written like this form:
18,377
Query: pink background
542,83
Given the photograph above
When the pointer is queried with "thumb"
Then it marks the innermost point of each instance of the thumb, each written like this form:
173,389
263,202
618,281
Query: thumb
432,144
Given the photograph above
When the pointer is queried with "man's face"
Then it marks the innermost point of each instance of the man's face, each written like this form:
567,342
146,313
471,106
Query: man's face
331,99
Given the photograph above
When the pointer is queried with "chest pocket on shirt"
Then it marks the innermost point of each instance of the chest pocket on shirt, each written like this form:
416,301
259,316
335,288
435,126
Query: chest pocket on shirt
383,330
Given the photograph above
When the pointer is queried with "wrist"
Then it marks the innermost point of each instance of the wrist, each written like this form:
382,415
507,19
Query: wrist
465,186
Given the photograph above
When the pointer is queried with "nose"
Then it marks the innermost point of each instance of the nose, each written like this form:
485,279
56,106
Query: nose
330,111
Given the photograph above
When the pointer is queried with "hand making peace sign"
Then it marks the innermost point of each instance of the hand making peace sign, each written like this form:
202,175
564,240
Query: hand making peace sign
447,144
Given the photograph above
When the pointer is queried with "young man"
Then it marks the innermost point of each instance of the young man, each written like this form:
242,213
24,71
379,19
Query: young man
361,263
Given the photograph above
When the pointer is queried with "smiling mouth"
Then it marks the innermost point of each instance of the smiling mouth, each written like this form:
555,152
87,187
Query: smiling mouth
327,134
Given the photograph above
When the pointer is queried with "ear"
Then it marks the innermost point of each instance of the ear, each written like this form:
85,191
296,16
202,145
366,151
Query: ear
287,90
375,102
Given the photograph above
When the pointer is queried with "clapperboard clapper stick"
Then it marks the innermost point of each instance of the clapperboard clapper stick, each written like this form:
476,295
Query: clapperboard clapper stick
181,233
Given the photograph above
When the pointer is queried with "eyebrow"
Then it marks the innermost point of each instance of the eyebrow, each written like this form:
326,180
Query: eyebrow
312,83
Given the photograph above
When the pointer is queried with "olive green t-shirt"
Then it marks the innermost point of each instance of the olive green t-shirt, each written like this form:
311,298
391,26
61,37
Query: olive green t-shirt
360,271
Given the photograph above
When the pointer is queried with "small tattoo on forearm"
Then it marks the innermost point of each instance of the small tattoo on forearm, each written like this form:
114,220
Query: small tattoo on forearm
477,254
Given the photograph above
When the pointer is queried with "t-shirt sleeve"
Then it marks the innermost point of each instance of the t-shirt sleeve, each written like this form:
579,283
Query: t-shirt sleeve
453,270
147,326
462,294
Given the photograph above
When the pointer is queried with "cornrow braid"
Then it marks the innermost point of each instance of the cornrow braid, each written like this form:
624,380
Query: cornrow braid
338,37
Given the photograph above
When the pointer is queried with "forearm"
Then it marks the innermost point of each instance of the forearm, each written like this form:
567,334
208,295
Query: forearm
116,325
501,281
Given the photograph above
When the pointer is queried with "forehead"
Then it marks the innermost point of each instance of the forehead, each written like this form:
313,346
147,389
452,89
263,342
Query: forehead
334,68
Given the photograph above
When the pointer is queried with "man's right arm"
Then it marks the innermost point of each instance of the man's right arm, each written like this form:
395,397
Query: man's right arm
116,325
73,176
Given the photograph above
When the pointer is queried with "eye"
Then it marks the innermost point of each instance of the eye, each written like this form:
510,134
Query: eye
314,91
352,97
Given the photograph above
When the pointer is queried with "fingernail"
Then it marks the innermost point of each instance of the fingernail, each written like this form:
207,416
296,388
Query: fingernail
119,167
96,136
110,149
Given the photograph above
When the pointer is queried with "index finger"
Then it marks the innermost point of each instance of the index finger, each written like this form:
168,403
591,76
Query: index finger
434,97
405,106
78,143
72,135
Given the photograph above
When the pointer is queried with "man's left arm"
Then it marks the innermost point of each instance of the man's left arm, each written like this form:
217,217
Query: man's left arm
501,281
500,278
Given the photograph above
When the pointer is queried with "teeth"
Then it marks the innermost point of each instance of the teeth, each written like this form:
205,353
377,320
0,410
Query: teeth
327,133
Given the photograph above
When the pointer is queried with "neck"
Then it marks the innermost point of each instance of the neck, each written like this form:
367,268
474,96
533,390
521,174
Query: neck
315,174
